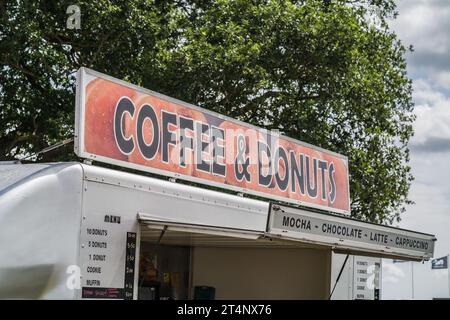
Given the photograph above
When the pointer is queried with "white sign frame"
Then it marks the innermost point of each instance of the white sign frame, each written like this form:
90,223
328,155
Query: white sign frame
82,77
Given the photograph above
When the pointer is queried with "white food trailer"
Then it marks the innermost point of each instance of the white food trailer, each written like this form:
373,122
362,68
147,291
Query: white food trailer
82,231
61,220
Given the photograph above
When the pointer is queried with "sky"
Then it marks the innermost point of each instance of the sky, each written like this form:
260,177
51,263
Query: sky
425,24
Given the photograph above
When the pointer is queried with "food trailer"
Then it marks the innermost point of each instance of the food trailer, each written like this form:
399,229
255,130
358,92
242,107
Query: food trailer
267,219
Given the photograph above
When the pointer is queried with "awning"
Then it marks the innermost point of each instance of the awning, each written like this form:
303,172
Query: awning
159,230
290,226
347,235
156,223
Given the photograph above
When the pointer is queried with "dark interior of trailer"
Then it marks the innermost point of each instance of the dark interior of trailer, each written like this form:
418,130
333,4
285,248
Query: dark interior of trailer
200,266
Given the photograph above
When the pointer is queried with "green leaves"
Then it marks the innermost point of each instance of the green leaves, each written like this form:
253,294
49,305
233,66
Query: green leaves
330,73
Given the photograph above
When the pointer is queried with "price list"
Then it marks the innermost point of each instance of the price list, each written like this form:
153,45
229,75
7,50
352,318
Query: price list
103,252
129,265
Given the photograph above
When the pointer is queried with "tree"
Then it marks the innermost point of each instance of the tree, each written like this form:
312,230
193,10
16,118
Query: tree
330,73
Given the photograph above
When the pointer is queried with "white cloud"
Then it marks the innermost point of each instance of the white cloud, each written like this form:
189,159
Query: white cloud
392,273
433,113
425,94
426,25
442,80
431,194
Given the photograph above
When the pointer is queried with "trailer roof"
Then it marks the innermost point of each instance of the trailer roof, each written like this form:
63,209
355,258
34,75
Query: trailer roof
13,174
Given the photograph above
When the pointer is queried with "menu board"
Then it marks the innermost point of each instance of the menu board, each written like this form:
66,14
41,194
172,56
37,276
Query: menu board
366,278
108,257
